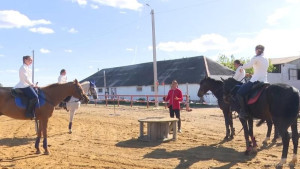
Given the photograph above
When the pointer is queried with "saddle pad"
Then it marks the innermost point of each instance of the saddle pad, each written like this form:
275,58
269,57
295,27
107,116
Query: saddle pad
21,104
255,98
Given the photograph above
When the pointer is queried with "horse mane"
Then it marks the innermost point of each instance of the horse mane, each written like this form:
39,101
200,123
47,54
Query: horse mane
84,83
215,81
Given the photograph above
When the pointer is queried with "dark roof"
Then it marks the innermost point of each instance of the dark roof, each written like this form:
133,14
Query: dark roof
186,70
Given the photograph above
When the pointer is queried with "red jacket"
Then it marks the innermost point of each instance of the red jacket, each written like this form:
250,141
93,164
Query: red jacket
171,98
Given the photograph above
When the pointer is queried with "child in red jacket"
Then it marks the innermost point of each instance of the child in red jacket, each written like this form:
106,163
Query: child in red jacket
175,97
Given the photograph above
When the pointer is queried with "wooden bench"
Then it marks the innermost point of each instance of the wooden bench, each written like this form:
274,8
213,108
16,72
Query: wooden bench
158,129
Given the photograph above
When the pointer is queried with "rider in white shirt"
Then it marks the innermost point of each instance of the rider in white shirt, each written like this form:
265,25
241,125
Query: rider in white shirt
63,77
27,87
239,72
260,65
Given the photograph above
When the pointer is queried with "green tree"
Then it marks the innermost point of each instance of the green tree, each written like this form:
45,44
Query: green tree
228,62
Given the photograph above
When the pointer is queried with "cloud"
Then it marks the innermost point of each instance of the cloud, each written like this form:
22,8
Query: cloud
278,43
42,30
80,2
14,19
121,4
42,50
73,30
91,67
277,15
2,56
293,1
129,49
68,51
123,12
93,6
11,71
202,44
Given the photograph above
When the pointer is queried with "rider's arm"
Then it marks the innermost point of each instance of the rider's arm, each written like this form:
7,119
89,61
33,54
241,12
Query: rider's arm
249,64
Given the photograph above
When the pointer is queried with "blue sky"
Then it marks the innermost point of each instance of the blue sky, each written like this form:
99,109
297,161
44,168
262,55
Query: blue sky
83,36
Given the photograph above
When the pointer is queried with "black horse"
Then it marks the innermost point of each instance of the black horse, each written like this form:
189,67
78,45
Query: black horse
216,87
277,102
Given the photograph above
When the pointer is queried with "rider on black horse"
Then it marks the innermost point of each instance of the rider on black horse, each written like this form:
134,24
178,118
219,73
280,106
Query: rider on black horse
260,65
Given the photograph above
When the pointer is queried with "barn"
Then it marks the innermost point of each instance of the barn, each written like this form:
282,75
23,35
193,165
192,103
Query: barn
138,79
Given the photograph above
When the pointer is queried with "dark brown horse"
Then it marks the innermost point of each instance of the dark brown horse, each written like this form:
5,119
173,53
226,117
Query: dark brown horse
279,103
54,94
216,87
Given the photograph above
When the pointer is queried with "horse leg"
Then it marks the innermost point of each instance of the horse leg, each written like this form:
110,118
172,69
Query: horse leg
285,141
231,125
250,122
246,135
295,138
225,113
45,143
269,124
37,141
72,113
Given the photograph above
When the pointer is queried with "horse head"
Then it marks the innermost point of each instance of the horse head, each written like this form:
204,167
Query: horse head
93,90
79,93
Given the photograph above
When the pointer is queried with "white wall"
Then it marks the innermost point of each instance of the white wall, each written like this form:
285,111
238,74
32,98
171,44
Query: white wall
283,77
163,90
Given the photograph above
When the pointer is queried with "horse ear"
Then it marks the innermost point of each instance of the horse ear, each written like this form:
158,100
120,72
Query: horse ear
76,81
222,79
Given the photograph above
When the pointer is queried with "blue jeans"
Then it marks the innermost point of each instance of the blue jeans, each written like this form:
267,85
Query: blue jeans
30,92
245,89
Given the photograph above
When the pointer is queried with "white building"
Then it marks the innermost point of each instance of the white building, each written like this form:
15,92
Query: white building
138,79
287,71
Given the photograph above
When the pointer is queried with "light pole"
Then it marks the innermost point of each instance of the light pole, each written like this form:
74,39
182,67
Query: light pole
155,81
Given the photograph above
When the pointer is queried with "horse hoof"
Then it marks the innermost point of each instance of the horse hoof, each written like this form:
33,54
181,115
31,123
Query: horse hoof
38,152
294,161
46,153
70,132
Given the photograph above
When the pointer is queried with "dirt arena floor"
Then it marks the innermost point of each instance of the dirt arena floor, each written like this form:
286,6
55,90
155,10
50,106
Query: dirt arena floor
102,139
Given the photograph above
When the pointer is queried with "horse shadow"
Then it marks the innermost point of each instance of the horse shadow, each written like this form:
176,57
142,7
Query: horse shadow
15,141
202,153
135,143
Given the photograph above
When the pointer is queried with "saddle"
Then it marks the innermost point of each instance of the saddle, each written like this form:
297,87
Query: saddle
255,92
22,100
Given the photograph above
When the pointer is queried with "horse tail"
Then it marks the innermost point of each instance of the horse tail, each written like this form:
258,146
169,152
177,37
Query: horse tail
258,124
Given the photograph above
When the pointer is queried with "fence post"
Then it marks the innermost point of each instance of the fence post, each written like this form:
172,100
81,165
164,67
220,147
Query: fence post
131,101
147,101
106,100
118,101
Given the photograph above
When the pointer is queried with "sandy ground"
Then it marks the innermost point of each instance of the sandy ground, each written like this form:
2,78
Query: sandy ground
101,139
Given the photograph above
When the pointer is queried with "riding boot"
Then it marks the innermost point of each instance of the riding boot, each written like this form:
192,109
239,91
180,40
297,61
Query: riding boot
243,112
30,108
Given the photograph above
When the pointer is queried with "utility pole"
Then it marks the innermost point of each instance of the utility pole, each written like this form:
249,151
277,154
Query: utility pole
33,67
154,58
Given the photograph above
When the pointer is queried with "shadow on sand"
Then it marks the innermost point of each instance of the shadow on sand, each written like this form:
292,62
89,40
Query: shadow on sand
15,141
135,143
202,153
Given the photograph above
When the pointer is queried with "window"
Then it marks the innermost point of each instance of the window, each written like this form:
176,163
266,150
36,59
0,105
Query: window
298,74
293,74
277,69
100,90
139,88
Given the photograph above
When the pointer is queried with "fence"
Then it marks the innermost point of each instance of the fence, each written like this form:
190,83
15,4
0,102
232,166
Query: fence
138,99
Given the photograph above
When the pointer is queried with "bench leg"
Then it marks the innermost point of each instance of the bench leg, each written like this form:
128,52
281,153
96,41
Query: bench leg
174,130
141,130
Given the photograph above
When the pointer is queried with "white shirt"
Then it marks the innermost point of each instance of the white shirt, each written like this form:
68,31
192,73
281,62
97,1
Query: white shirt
25,75
62,79
238,74
260,65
